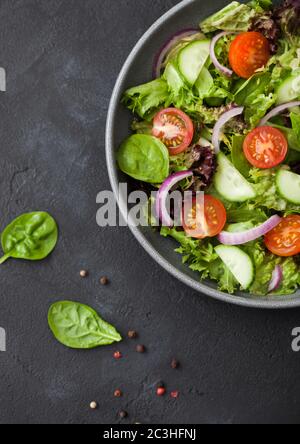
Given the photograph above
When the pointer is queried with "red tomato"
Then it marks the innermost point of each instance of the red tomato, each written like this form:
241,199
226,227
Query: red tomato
284,240
208,223
249,51
174,128
265,147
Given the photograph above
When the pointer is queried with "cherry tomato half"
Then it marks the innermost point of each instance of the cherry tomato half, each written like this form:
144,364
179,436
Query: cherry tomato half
265,147
208,223
284,240
174,128
249,51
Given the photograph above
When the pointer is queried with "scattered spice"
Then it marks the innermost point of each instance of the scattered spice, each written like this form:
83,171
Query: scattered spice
84,273
140,348
117,355
132,334
104,280
93,405
174,364
175,394
118,393
123,414
161,391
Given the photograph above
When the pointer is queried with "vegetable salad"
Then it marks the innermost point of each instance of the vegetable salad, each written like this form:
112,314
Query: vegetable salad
222,116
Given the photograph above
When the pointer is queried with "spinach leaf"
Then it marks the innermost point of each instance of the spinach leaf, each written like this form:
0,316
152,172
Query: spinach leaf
144,158
251,88
79,326
31,236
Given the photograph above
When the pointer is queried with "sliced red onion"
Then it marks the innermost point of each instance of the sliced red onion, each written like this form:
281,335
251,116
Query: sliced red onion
162,195
236,111
279,109
276,280
159,59
223,69
228,238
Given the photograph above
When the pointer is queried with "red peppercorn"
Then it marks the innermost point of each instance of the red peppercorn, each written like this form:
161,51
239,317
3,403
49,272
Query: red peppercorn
118,393
117,355
175,394
161,391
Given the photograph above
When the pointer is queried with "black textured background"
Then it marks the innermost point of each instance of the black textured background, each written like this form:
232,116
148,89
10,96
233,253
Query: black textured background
62,58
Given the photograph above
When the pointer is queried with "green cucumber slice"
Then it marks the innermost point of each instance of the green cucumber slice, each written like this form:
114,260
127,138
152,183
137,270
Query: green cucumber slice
192,59
289,89
239,263
288,186
230,183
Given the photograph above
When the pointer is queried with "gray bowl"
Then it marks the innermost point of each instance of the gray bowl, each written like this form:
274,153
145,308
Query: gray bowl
137,70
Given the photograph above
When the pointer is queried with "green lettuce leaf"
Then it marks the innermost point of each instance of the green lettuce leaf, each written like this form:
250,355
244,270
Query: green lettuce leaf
234,17
145,100
201,257
264,271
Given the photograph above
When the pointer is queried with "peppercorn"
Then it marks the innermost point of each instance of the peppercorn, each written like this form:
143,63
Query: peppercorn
132,334
93,405
117,355
104,280
84,273
174,364
118,393
140,348
161,391
123,414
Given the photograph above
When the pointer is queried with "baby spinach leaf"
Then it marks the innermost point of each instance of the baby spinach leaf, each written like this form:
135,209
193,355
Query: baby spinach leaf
79,326
31,236
144,158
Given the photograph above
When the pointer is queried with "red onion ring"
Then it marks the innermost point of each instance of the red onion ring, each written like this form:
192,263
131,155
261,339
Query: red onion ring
279,109
244,237
162,195
276,280
223,69
159,59
221,122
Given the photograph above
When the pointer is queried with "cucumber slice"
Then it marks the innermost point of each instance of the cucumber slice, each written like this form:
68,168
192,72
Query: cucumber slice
230,183
192,59
289,89
239,263
288,186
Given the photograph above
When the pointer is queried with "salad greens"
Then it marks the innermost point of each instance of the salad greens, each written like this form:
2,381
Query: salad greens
201,86
32,236
79,326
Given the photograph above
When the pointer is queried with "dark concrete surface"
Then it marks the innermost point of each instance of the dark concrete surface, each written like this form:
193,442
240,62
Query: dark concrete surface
62,58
